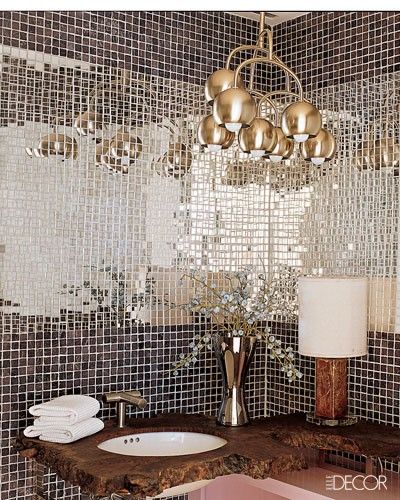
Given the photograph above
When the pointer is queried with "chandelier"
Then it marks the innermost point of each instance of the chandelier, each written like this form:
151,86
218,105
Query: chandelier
381,148
241,110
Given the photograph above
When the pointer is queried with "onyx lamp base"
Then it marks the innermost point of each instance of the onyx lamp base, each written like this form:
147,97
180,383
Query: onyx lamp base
331,393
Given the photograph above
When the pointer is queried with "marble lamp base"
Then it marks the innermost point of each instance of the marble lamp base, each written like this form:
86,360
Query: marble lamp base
331,393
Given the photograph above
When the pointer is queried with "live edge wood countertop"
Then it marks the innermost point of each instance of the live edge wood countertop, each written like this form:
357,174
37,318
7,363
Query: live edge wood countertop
265,448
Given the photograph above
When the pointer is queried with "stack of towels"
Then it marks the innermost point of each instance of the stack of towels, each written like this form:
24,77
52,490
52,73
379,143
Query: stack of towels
65,419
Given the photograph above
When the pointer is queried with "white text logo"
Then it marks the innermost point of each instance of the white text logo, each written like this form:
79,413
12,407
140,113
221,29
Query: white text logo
360,482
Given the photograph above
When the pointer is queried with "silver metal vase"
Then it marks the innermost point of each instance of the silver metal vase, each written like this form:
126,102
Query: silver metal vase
234,356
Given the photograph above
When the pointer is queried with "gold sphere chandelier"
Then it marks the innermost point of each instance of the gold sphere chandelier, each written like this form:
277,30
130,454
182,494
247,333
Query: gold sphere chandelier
213,137
220,80
320,148
259,138
237,109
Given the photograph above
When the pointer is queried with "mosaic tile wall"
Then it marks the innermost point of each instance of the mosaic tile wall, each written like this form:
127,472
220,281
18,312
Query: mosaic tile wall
345,46
344,219
90,257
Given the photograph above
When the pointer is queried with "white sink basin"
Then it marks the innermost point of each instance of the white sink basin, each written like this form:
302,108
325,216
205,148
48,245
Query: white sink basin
162,444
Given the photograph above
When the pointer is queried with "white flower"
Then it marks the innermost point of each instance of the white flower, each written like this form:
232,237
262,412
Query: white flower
271,338
181,356
175,373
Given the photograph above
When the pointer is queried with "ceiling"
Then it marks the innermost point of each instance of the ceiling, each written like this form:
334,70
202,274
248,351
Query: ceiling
272,17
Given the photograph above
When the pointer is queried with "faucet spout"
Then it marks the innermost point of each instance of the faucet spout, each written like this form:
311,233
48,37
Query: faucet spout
132,399
122,399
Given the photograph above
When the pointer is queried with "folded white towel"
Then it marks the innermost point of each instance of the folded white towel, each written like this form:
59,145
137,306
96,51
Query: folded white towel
66,410
67,433
58,421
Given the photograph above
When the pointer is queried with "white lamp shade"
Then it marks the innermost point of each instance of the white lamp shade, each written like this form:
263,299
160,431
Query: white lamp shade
333,315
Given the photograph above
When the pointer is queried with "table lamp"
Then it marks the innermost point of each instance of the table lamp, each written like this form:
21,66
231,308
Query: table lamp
333,313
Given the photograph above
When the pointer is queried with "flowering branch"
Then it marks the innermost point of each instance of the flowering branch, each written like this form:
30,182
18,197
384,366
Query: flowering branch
240,310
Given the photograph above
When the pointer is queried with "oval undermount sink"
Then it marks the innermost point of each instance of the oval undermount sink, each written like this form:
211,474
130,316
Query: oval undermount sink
162,444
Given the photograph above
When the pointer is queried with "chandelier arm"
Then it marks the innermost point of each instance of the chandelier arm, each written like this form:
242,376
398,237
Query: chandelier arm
252,71
279,92
257,93
256,49
263,99
244,47
260,40
260,45
100,87
111,83
256,60
287,76
267,98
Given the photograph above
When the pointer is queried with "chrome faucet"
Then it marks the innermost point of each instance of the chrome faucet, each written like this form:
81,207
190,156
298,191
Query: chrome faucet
122,399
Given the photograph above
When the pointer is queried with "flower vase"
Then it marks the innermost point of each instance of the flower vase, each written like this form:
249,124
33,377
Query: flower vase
234,356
